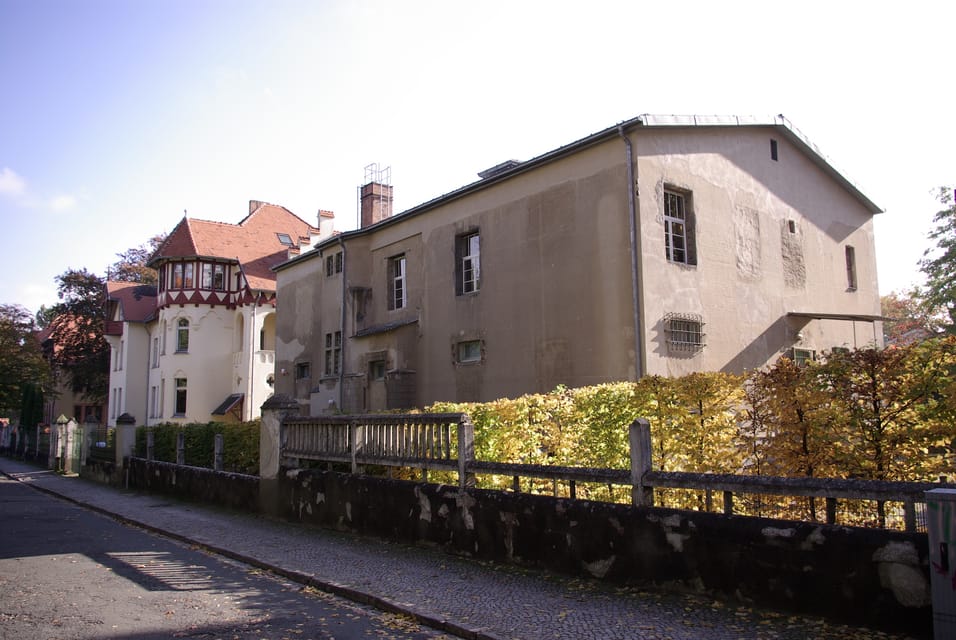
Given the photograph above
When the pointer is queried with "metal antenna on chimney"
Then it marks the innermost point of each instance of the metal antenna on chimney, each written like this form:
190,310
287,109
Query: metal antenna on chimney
375,175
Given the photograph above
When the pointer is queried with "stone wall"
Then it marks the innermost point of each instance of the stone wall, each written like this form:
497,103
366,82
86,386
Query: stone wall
873,577
864,576
233,490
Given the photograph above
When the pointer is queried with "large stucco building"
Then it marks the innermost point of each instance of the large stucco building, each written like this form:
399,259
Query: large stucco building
200,346
663,245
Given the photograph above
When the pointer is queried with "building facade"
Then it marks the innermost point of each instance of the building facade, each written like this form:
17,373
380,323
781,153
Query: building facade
663,245
206,351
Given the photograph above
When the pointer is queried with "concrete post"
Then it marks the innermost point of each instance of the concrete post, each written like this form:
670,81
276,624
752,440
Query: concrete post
356,438
271,439
639,437
125,439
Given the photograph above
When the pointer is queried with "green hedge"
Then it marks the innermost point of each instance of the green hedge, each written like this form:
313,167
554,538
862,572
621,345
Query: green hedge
240,444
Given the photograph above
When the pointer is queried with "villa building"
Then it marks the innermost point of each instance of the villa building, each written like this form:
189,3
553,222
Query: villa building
662,245
201,346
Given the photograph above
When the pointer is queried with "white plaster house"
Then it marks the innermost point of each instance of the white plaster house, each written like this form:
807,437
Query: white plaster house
661,245
206,352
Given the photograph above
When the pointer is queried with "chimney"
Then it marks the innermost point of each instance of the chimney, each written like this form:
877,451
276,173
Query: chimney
255,204
326,221
376,201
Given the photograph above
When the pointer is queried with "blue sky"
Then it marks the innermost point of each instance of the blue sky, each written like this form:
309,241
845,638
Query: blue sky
118,116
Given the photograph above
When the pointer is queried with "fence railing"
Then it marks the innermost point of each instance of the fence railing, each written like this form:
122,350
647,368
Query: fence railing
424,441
446,442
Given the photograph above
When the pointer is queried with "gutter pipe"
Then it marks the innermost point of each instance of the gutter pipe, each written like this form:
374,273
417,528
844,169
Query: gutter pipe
633,209
342,325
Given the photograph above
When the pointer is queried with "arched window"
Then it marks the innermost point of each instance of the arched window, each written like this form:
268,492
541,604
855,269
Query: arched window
182,335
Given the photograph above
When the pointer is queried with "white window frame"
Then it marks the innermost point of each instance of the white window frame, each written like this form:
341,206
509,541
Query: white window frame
678,224
397,290
468,267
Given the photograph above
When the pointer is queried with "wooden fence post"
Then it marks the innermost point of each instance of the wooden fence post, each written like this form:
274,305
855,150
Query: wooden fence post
181,447
357,437
639,437
218,446
466,451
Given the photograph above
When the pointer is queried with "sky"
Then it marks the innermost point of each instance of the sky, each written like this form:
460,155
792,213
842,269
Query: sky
119,117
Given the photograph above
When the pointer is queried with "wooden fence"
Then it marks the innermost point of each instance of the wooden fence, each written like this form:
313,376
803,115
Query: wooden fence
446,442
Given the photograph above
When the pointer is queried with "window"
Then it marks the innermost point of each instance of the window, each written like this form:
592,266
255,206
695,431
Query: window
177,276
468,351
155,352
850,268
396,283
188,282
182,335
206,277
119,359
333,353
773,149
303,370
333,264
180,397
376,370
467,264
218,277
792,226
154,402
801,357
285,239
678,228
684,331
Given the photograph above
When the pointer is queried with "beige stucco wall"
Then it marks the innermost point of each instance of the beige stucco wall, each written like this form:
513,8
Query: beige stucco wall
555,304
129,373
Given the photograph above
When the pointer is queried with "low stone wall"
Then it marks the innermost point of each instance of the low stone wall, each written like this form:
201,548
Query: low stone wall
872,577
233,490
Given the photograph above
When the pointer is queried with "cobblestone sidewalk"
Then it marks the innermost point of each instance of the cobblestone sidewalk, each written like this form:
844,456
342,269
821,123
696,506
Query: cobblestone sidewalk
464,597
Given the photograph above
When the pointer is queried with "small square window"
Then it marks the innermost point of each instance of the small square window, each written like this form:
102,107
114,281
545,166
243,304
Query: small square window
802,357
303,370
685,332
468,351
376,370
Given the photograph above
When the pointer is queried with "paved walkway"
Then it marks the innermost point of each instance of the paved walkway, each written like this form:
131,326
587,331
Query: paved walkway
463,597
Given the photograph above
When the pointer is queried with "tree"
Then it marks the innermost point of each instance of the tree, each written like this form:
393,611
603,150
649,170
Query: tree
21,359
131,266
911,318
76,344
939,262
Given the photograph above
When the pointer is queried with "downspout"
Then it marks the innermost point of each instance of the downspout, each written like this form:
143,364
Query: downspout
633,210
345,289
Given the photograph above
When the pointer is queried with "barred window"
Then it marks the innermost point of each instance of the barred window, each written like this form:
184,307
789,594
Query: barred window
685,331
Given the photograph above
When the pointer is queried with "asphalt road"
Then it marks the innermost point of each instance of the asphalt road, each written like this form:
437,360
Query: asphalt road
70,573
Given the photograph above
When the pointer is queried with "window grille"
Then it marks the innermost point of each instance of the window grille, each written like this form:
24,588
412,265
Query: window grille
685,331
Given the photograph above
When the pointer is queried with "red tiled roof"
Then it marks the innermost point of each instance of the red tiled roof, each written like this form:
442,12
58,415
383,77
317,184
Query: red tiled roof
253,242
137,301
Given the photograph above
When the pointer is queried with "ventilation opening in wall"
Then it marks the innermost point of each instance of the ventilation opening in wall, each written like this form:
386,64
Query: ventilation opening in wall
792,226
773,149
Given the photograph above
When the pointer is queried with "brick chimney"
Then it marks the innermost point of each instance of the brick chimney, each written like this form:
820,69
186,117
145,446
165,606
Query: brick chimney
376,200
